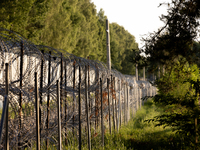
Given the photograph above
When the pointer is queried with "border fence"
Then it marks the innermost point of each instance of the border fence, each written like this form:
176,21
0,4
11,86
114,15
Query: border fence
52,98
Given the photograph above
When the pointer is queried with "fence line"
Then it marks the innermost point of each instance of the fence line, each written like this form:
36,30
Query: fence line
78,77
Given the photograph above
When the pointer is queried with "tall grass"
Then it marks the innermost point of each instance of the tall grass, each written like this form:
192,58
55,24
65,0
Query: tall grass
138,134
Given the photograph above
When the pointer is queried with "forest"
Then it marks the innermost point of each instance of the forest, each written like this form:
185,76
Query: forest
172,52
73,26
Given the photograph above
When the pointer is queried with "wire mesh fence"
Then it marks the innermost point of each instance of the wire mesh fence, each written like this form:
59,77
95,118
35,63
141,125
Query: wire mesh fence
82,95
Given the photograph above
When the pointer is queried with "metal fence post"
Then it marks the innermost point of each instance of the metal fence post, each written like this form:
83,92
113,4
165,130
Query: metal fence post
102,125
66,102
127,103
96,98
48,100
59,117
79,108
7,106
21,83
87,109
120,105
74,82
109,119
125,117
61,88
41,86
113,105
114,94
37,112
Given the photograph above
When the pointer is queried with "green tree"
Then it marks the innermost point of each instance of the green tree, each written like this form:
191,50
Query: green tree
73,26
122,43
102,48
24,17
173,46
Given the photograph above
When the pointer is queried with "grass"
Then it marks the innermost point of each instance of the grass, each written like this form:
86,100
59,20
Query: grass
139,134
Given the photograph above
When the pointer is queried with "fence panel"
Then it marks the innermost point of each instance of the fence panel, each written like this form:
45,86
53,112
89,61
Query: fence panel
119,93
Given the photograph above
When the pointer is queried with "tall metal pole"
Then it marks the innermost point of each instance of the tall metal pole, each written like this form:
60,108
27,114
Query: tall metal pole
144,73
136,71
158,71
108,45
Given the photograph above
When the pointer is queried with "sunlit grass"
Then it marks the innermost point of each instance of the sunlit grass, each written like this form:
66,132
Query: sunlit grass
141,135
137,134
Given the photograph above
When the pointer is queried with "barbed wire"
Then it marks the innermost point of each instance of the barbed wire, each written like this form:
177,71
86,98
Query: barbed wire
65,68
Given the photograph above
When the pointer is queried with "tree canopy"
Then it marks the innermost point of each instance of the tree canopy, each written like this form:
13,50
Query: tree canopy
178,35
74,26
175,47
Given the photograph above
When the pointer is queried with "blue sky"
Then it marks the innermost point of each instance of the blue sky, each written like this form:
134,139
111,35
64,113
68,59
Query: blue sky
139,17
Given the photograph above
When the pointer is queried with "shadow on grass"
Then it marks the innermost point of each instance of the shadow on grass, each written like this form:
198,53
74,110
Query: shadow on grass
157,143
141,135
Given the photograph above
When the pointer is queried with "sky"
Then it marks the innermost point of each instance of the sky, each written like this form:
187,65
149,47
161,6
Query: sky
138,17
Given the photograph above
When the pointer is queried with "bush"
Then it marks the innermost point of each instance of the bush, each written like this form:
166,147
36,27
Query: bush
178,94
